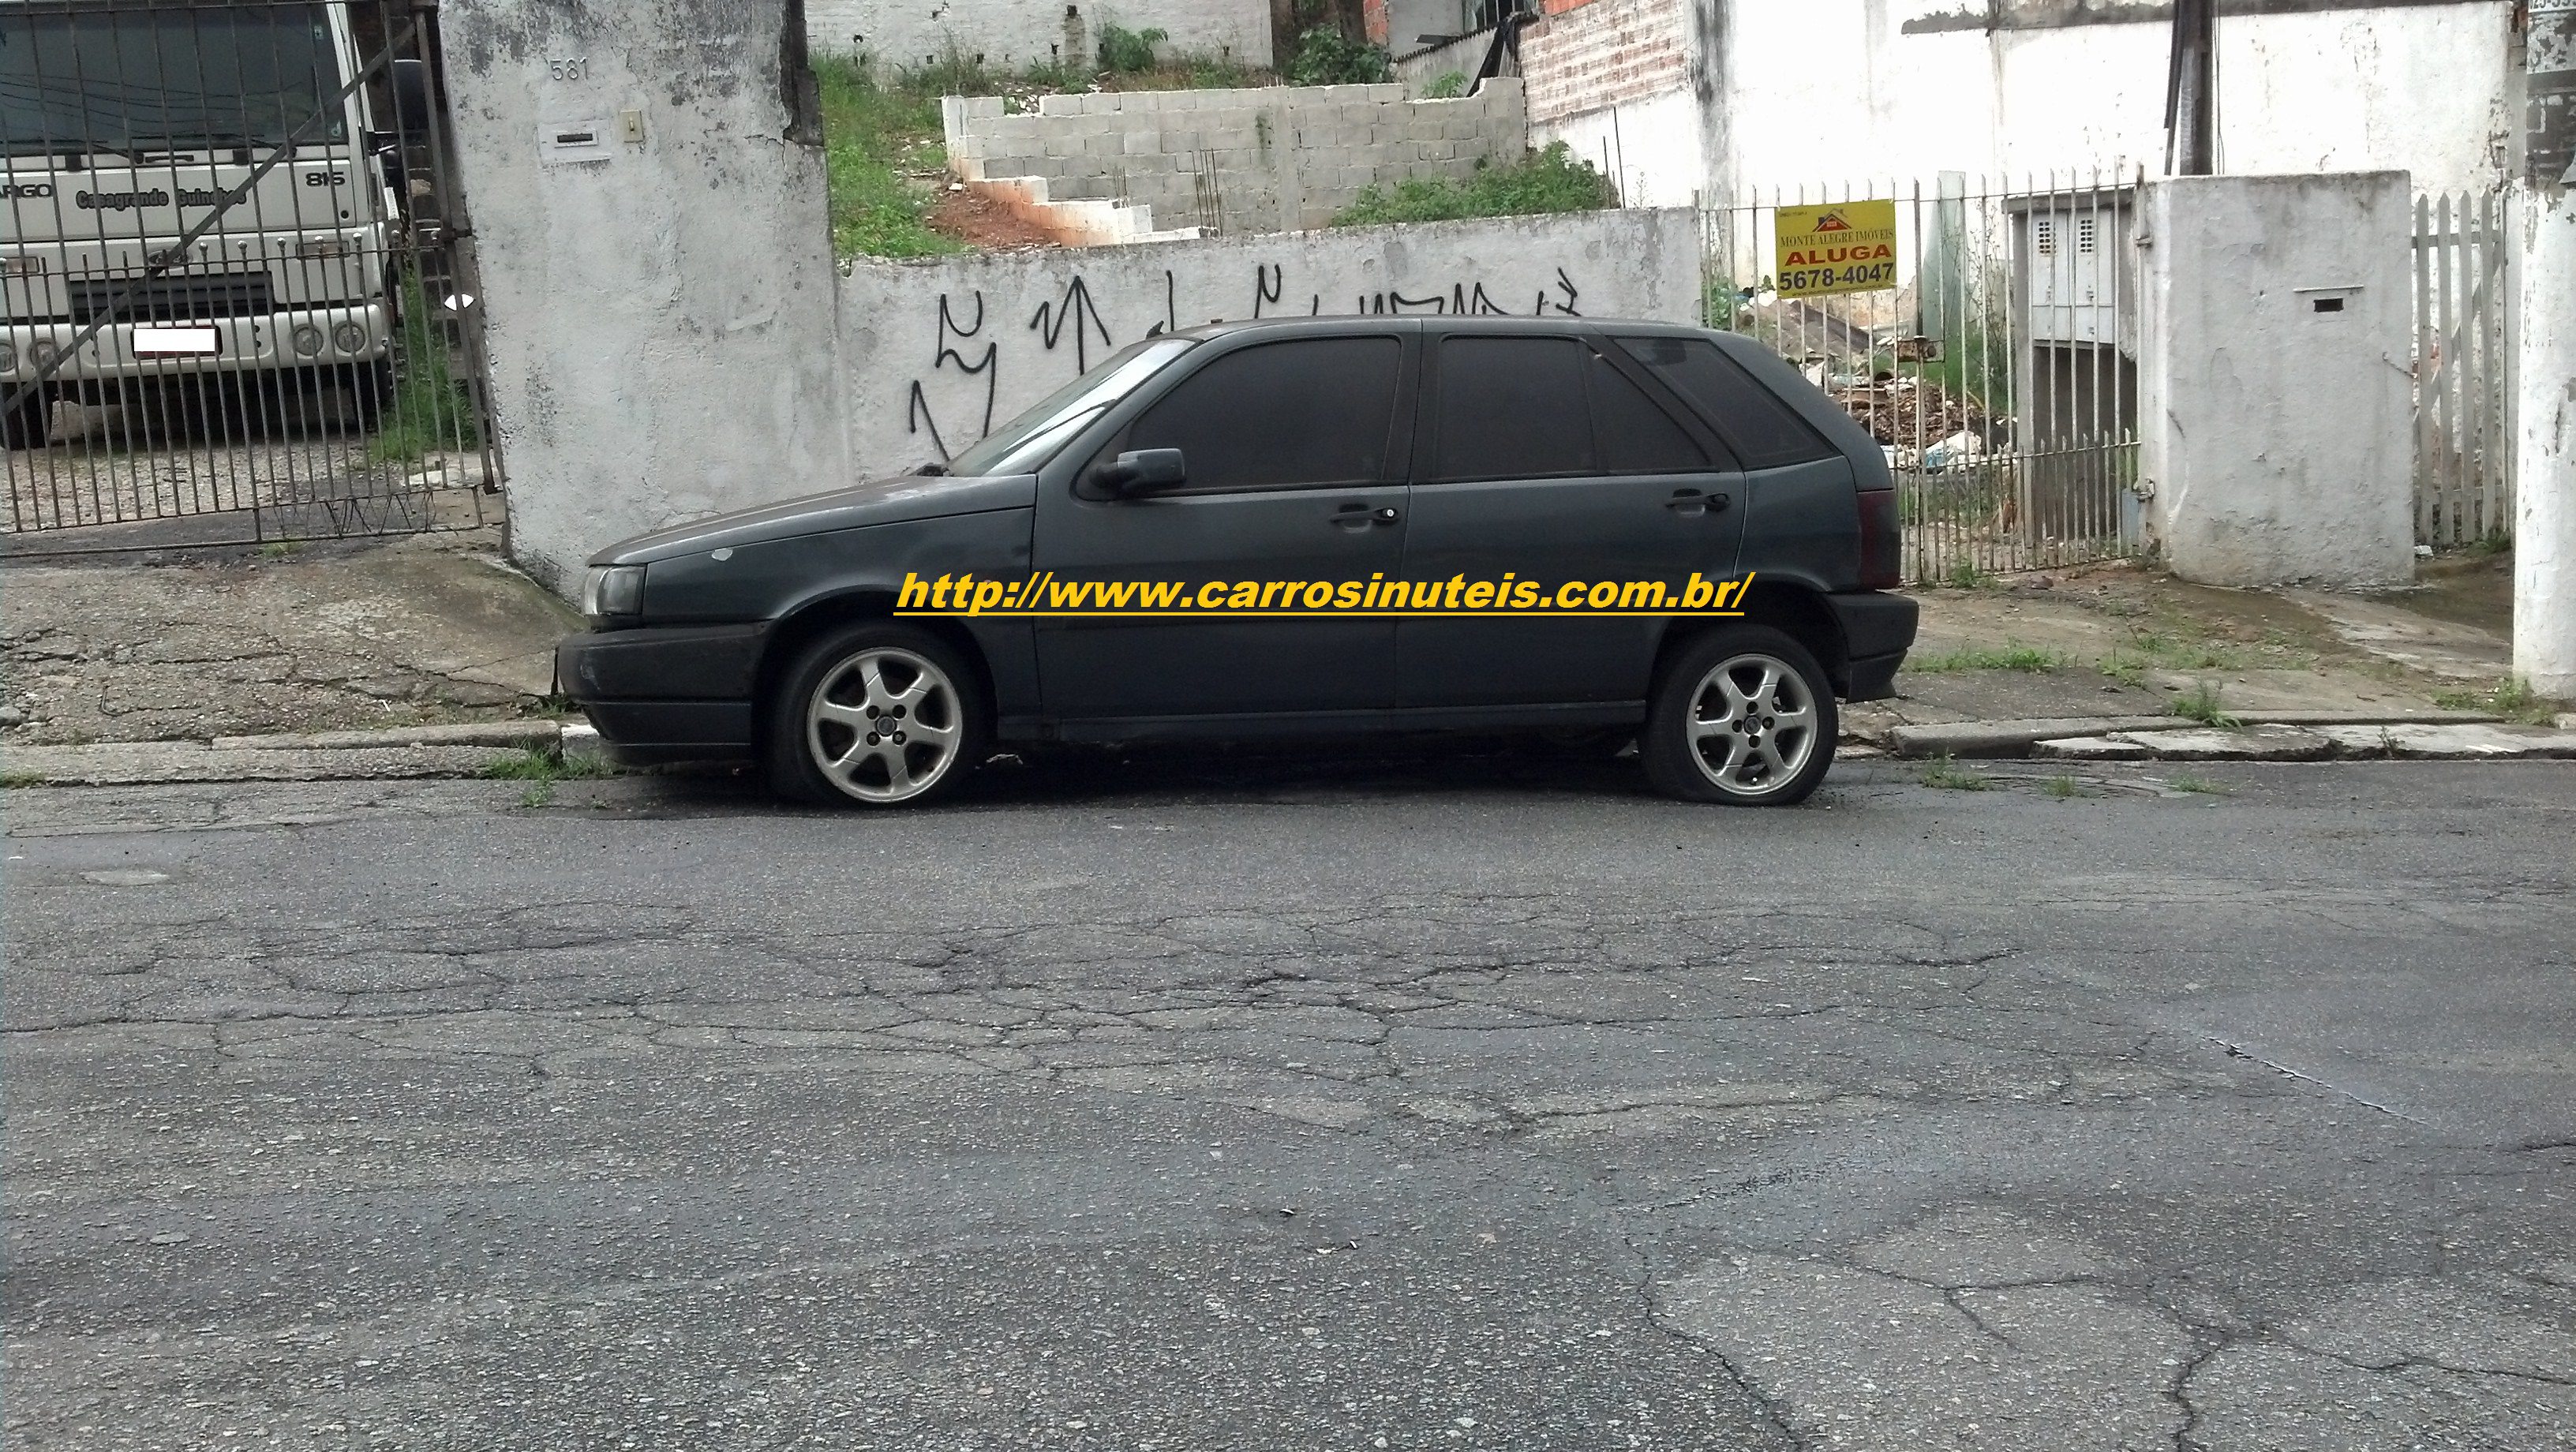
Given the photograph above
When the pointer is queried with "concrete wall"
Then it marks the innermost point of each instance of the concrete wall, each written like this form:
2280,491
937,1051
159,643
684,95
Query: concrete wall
2276,435
1266,159
1021,33
660,313
939,351
1835,91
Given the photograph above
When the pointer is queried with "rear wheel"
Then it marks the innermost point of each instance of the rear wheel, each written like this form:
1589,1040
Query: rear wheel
1743,715
875,714
24,428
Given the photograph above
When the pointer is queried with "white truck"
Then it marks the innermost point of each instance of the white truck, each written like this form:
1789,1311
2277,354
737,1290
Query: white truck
127,125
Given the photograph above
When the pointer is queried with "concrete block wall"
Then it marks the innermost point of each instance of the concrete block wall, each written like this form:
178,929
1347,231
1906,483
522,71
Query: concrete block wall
1014,34
1268,159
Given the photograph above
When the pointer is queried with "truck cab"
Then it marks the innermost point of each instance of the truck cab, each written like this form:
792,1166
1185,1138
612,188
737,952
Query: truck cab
126,127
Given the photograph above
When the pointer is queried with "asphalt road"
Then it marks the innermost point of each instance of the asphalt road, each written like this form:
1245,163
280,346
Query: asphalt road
1457,1102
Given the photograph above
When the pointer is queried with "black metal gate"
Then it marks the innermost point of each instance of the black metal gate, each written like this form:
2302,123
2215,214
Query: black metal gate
238,280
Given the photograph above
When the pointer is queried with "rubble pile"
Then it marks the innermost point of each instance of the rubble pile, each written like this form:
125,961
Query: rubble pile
1909,412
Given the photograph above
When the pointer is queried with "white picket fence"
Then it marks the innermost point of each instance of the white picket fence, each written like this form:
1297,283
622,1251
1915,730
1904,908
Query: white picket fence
2463,451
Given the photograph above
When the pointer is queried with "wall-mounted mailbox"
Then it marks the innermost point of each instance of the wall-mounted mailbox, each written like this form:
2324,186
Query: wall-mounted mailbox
2329,299
567,143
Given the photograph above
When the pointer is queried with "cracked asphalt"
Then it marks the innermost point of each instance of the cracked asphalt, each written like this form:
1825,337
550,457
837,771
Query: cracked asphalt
1407,1101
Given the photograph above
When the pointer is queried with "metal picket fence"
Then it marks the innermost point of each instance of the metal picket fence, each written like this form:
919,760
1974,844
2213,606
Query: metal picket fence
1995,360
2463,452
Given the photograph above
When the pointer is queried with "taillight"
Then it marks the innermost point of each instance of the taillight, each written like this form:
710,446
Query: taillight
1881,561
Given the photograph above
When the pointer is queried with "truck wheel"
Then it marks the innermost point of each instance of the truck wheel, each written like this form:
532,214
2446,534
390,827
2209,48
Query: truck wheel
875,714
1743,715
25,427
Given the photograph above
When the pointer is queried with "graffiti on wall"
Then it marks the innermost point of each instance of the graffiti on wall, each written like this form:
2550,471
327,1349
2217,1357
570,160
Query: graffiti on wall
978,358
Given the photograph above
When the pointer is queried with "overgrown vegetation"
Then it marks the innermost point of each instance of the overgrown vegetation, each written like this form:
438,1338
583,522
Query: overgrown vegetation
1326,57
2198,786
1125,52
427,409
2201,705
1447,86
1543,182
2010,658
2062,786
872,135
541,769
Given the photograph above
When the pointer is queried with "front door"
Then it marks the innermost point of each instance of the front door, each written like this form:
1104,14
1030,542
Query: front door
1294,455
1548,461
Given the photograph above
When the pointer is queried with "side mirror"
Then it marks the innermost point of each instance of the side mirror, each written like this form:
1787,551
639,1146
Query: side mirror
411,100
1139,470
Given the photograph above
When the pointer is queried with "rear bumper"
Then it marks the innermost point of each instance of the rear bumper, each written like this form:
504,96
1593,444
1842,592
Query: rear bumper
665,694
1877,631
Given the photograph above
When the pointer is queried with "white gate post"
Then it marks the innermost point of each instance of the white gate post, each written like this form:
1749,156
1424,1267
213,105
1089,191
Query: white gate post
2544,230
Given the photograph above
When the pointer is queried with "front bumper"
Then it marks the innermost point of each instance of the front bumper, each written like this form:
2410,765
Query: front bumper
264,341
1877,631
662,694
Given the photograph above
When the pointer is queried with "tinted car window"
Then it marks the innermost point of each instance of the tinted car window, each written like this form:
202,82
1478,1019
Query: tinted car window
1310,411
1512,408
1762,428
1633,433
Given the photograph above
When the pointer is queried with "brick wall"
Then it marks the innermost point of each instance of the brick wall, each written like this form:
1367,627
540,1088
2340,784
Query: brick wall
1267,159
1585,55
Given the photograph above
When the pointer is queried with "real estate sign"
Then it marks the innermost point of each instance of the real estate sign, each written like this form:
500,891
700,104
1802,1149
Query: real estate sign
1841,247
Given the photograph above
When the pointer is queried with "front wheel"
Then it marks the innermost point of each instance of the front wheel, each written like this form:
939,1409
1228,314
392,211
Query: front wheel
1743,715
875,714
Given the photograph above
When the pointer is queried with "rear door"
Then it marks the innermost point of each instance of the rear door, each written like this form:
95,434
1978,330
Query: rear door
1295,449
1545,458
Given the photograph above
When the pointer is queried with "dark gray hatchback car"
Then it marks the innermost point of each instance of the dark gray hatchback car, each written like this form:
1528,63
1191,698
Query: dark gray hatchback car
1387,461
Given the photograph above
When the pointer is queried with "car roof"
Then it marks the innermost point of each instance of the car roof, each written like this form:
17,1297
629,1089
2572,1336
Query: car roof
1568,324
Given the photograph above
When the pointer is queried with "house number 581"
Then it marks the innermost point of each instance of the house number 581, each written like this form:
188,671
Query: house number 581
568,68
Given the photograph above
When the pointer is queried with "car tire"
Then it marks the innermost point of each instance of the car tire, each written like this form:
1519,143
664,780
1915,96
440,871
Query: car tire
823,746
25,427
1742,715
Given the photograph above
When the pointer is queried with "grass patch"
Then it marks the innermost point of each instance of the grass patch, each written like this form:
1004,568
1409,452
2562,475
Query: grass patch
1964,575
2202,706
1447,86
1950,776
541,770
2174,652
2011,658
2126,671
872,134
1543,182
9,779
428,409
2511,698
2062,786
2198,786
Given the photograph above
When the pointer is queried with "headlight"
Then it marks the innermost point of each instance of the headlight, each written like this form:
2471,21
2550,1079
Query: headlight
8,358
615,590
307,338
349,338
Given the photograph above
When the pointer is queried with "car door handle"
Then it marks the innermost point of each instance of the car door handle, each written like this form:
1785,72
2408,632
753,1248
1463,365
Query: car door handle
1360,516
1691,501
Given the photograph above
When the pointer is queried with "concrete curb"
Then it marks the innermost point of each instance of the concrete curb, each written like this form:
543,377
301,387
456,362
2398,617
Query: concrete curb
2009,740
2436,741
465,749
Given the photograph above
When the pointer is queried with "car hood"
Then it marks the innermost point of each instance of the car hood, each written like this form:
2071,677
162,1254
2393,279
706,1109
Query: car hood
892,500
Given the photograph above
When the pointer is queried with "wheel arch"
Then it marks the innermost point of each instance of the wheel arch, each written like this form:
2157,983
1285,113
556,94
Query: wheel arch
1794,607
813,619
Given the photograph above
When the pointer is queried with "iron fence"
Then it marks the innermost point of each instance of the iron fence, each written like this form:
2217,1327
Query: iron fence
1991,351
2463,452
238,287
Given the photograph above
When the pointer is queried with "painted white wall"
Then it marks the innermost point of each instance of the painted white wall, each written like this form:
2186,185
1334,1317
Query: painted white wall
1651,146
2543,226
981,337
660,322
1017,33
1834,91
2277,438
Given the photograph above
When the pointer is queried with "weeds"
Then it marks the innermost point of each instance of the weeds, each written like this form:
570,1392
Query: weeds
872,134
1326,57
2511,698
1545,181
1966,576
541,769
2011,658
1447,86
1950,776
2128,672
2062,786
1125,52
2202,706
427,409
2198,786
13,779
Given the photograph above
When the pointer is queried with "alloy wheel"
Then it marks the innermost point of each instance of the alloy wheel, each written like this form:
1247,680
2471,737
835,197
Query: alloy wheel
884,725
1752,725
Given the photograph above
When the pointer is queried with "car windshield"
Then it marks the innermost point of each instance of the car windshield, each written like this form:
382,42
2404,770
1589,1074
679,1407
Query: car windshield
129,81
1032,438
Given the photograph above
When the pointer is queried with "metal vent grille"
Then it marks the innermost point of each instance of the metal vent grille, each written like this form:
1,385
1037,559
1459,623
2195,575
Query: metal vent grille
185,298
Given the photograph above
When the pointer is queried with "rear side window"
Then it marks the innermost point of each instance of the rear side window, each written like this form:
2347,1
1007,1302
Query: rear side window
1513,408
1633,433
1764,430
1310,411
